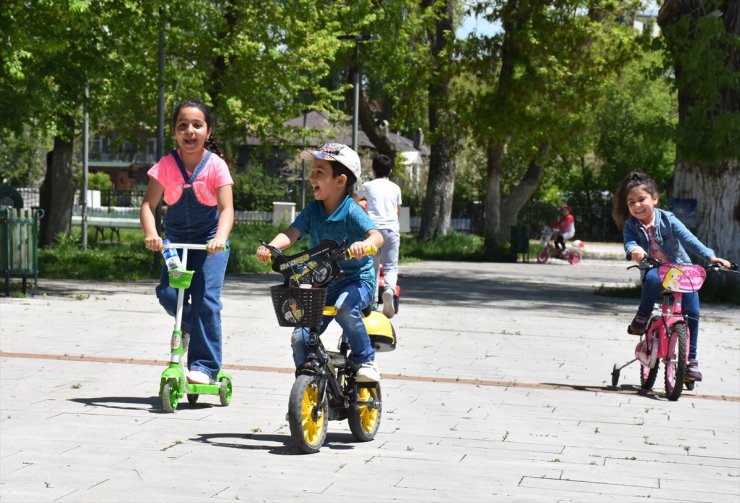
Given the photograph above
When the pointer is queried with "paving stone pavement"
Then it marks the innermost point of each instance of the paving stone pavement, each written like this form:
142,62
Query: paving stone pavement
500,390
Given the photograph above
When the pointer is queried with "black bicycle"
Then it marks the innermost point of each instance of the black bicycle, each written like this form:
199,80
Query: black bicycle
326,387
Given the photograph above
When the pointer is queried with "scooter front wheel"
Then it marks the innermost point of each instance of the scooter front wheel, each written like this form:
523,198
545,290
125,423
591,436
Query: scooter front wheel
364,415
307,420
170,395
224,391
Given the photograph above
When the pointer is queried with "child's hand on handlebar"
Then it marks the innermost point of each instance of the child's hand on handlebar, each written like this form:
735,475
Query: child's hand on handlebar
215,245
263,255
359,249
153,243
637,254
724,263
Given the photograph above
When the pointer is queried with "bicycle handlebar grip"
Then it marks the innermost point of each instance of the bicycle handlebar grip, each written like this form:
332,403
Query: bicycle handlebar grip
369,250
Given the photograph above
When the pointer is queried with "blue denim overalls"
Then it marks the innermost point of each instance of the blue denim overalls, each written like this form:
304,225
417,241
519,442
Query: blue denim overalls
189,221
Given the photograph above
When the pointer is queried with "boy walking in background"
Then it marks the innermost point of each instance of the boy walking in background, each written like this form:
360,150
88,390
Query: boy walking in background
384,207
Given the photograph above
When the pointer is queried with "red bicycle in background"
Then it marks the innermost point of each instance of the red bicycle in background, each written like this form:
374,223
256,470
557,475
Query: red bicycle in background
550,250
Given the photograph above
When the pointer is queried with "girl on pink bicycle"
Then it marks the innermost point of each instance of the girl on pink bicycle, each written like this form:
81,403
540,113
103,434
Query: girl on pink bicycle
649,230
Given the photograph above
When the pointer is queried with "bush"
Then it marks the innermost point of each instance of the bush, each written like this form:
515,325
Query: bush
65,259
456,246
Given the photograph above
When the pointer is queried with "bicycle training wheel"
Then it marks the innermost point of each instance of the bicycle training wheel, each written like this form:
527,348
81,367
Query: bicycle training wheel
675,367
307,421
574,257
364,415
542,256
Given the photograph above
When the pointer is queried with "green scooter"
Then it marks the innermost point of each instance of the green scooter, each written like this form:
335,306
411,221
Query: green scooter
173,385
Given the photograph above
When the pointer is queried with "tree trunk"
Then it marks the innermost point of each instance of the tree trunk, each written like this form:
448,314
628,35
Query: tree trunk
437,211
501,215
494,156
377,136
58,190
519,196
707,155
718,195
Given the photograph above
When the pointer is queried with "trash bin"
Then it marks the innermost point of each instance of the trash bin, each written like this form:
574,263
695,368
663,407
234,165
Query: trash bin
19,245
520,241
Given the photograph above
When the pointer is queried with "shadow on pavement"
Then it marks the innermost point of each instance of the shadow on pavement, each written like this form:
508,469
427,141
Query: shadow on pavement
121,402
260,441
623,389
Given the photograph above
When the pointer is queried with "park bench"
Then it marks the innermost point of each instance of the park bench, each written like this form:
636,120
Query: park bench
102,219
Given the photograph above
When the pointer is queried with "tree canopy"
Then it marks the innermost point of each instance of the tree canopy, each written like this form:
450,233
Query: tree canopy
565,92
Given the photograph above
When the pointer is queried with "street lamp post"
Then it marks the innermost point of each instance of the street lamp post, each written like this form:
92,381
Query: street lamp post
356,82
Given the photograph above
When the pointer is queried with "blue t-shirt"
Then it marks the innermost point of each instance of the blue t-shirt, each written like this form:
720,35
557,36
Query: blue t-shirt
348,222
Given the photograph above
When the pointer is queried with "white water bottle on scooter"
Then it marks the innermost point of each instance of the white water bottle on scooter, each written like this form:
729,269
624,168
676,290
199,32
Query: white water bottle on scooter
171,258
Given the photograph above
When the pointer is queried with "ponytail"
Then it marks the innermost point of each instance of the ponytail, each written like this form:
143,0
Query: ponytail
211,145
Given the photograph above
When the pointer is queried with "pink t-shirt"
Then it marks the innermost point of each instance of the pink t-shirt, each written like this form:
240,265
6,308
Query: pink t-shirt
214,174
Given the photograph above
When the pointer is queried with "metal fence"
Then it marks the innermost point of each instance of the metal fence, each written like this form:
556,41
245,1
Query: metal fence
593,222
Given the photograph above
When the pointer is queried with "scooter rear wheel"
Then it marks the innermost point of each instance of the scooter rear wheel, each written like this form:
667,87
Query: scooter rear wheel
307,421
364,418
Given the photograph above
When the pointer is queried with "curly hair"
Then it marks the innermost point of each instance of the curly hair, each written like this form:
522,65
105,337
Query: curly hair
620,211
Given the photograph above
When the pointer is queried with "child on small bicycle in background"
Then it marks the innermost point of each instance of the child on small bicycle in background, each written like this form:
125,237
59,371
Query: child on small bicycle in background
196,185
564,227
384,207
651,231
335,216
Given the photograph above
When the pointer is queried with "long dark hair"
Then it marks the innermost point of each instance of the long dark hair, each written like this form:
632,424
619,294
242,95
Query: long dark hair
620,210
210,142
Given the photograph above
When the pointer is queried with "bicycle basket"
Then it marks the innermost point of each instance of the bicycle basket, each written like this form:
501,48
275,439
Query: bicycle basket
684,278
298,306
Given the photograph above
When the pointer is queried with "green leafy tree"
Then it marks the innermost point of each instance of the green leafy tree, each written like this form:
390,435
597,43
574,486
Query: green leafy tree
635,122
535,85
702,48
23,157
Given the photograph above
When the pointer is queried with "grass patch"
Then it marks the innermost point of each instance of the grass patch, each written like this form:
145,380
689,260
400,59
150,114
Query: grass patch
455,246
630,292
130,260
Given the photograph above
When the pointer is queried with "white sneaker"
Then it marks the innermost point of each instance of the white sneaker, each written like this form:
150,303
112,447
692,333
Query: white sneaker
368,372
388,309
198,377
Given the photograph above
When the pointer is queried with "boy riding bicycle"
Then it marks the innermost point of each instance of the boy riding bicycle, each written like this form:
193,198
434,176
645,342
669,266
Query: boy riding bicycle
335,216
